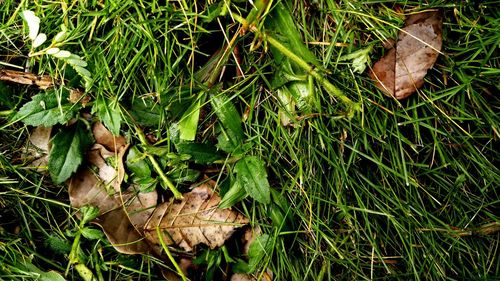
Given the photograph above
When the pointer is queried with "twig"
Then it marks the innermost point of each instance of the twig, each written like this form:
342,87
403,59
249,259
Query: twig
25,78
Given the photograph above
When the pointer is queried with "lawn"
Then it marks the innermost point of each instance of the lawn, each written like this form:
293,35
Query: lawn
265,107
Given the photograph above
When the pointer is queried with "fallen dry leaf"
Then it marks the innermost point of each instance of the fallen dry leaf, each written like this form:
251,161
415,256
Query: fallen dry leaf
107,146
193,220
40,137
121,215
266,276
37,151
105,137
402,70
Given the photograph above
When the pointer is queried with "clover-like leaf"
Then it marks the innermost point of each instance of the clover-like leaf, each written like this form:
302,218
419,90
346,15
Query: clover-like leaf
33,23
39,40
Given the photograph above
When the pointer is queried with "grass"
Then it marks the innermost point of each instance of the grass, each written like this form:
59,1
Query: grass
404,190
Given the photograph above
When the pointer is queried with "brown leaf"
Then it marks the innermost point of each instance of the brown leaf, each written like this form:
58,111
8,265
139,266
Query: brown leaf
139,205
108,146
108,174
86,188
121,215
193,220
402,70
40,137
37,150
267,276
105,137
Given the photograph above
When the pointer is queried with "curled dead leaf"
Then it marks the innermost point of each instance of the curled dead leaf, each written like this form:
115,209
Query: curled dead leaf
104,137
121,215
402,70
193,220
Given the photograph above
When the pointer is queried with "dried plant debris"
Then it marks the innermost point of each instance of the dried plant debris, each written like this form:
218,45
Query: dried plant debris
194,220
266,276
37,151
42,81
402,70
121,215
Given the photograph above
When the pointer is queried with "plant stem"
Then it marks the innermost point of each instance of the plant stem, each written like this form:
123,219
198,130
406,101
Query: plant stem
157,167
329,87
170,257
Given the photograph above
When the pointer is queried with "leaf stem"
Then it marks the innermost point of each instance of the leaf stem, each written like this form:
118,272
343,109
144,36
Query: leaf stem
329,87
170,257
157,167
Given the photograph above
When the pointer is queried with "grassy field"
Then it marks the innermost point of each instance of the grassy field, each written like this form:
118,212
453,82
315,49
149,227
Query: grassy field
403,190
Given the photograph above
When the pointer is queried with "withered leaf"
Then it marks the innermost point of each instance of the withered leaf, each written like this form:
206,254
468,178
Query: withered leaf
107,139
121,215
38,149
266,276
402,70
193,220
108,146
40,137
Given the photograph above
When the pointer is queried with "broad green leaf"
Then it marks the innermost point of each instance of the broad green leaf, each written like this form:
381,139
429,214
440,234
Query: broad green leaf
188,125
46,110
51,276
232,137
235,194
161,151
42,276
260,248
146,185
109,113
146,112
58,245
68,147
201,153
252,175
137,164
33,23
